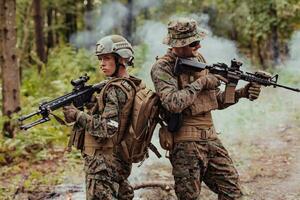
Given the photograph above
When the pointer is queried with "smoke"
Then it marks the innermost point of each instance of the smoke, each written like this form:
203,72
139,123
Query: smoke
154,46
143,4
105,19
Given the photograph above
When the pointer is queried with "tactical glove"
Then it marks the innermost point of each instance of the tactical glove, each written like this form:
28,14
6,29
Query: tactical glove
250,91
209,82
70,113
253,91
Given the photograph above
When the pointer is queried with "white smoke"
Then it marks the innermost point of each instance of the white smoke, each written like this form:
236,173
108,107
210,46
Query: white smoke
105,19
143,4
151,34
101,22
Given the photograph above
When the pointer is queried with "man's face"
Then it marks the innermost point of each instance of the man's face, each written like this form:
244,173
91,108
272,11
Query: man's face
107,64
187,51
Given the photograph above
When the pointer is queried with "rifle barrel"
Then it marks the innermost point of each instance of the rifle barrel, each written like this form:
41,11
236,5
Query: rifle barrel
22,118
286,87
39,121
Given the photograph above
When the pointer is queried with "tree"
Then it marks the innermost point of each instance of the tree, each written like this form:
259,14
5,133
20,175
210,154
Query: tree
9,65
128,21
39,37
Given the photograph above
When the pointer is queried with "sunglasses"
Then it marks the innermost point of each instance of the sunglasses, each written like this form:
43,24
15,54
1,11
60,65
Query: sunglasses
194,44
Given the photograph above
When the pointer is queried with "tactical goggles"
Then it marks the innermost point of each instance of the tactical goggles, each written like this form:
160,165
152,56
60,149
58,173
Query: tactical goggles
194,44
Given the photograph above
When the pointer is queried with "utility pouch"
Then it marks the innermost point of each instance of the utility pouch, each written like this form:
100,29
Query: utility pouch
166,138
76,138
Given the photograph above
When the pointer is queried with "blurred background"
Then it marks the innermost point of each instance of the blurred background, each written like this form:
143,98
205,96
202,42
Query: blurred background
45,44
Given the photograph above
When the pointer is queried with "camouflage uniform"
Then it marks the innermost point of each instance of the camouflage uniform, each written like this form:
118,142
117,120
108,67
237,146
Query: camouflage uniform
99,132
197,155
106,170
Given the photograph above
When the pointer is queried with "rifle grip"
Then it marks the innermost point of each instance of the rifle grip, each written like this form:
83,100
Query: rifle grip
230,93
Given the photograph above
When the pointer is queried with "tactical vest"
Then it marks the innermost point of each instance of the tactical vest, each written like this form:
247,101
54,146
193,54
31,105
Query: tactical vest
106,146
197,120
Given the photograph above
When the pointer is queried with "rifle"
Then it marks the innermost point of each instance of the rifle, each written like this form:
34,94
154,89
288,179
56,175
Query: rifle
80,96
233,74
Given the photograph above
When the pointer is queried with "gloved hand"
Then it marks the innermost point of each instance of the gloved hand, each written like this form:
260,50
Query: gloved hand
209,82
70,113
252,91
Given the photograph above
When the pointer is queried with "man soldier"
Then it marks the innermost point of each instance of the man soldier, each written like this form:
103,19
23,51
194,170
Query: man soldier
197,154
104,125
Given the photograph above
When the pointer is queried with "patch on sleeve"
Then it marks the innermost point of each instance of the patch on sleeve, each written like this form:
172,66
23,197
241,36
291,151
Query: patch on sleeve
113,123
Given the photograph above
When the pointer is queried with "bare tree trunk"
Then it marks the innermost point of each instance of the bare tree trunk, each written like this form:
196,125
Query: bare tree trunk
39,37
9,65
274,43
70,22
87,9
25,44
129,21
56,34
50,36
70,19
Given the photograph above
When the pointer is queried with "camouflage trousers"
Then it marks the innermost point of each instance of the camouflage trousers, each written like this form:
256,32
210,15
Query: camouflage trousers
106,178
123,169
207,161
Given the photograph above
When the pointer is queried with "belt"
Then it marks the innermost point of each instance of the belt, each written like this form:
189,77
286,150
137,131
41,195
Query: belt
192,133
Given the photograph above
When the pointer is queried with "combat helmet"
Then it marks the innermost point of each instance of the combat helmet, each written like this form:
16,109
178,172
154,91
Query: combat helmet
115,44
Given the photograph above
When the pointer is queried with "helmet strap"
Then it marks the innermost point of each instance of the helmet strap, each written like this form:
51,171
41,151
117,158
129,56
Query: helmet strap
118,65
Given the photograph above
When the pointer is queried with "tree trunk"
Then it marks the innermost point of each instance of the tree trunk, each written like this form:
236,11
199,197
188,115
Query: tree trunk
274,43
70,19
9,65
56,34
39,38
70,22
129,21
25,44
87,9
50,35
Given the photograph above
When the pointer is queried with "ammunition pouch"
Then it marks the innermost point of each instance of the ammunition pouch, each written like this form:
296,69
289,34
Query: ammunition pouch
166,139
76,138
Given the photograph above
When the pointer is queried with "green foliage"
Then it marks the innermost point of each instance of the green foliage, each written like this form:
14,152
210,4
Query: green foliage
259,27
64,63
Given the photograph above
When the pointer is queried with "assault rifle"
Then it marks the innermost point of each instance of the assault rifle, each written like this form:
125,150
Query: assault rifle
80,97
233,74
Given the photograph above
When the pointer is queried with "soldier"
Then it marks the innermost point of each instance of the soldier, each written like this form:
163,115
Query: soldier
197,154
103,126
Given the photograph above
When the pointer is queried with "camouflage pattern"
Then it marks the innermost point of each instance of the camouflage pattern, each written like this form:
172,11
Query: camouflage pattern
207,161
99,178
173,98
195,161
123,168
114,44
105,125
182,32
106,171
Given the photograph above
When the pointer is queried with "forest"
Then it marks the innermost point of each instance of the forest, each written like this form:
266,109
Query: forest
46,44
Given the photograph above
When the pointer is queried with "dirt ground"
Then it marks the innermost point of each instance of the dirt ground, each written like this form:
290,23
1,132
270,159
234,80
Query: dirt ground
271,173
268,164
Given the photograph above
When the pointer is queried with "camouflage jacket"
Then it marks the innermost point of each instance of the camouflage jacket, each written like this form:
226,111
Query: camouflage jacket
175,99
104,124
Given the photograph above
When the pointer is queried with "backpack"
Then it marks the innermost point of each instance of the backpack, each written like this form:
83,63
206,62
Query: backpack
136,137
